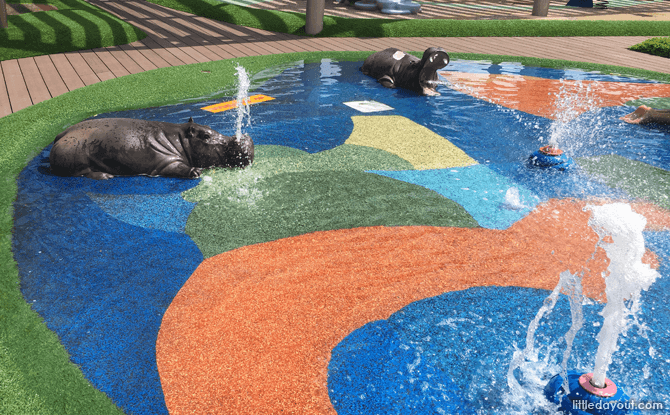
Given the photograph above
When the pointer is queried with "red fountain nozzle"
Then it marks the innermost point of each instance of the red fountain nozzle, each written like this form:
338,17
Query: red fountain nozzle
551,150
609,389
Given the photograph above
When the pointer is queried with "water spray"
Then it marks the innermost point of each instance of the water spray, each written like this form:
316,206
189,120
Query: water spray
627,276
568,106
243,112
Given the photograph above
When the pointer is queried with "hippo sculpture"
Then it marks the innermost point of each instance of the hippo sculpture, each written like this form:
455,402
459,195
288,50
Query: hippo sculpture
108,147
395,69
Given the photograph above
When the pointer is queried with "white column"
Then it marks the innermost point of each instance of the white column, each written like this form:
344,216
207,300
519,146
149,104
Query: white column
314,16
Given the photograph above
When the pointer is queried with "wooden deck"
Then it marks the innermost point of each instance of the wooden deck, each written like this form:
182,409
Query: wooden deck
178,38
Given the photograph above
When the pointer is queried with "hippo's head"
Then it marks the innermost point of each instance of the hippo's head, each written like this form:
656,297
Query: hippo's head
212,149
433,60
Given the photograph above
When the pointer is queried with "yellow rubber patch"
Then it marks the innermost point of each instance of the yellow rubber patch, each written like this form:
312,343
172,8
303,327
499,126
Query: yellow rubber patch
413,142
229,105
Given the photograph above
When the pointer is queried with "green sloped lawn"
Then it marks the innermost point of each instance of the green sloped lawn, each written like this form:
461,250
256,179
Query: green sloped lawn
76,25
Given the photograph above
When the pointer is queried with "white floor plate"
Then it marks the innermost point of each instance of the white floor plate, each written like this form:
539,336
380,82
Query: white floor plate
368,106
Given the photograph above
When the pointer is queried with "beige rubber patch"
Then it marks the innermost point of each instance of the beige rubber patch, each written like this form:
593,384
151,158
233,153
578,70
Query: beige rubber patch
408,140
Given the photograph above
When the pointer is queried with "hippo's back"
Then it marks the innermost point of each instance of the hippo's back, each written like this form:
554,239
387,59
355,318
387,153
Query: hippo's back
116,127
118,146
389,62
380,63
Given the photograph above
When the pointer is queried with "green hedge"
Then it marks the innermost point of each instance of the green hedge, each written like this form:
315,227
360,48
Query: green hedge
76,25
659,46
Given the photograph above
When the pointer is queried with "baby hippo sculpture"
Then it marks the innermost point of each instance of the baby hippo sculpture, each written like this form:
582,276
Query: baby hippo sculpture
393,68
108,147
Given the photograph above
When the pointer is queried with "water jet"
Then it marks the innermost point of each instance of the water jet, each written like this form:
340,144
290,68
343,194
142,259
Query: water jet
627,276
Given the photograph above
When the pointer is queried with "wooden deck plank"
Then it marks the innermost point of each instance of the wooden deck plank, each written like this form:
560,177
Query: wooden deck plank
120,9
248,45
33,78
137,56
517,47
5,105
194,53
113,62
215,34
168,52
17,91
124,59
211,29
322,44
550,48
154,53
301,45
261,47
182,34
97,65
207,53
220,52
156,10
359,44
201,43
173,37
228,49
81,67
51,76
267,48
249,48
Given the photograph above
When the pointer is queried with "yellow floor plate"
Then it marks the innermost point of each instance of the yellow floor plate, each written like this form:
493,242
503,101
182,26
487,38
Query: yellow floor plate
409,140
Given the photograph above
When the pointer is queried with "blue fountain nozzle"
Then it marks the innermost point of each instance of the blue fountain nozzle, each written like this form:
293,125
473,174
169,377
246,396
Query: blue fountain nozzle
550,157
588,401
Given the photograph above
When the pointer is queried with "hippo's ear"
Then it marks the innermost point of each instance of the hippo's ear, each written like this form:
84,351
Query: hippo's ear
190,131
190,119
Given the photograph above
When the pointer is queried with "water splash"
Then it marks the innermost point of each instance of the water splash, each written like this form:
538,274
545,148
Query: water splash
529,353
628,276
620,232
243,112
527,397
442,82
512,200
572,286
572,100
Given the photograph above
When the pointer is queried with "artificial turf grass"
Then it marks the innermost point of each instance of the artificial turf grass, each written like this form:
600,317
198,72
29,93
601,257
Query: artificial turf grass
659,46
36,374
294,23
76,25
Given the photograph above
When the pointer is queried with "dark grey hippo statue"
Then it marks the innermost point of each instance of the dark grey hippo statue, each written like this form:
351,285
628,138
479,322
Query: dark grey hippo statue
395,69
108,147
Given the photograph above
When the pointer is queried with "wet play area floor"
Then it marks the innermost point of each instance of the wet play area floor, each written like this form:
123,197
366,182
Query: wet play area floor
384,254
